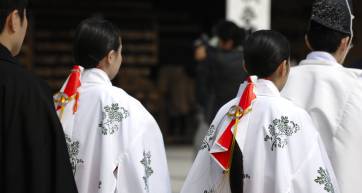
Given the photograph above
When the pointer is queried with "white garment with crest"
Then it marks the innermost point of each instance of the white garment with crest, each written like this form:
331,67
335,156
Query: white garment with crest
332,95
115,145
282,150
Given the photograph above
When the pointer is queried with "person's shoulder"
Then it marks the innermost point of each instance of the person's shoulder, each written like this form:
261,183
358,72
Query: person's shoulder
126,100
355,73
22,80
321,67
281,105
141,119
306,74
118,93
15,73
294,110
226,107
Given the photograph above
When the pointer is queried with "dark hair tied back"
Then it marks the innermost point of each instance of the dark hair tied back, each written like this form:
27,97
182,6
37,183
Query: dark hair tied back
94,39
264,50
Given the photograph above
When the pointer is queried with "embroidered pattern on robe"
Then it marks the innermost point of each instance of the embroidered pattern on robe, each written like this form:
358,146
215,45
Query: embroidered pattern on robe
246,176
208,138
73,150
146,162
209,191
279,131
112,116
325,179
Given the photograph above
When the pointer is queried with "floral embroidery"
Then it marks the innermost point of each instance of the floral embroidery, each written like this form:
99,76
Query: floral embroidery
112,115
73,150
246,176
209,137
279,130
325,179
209,191
146,162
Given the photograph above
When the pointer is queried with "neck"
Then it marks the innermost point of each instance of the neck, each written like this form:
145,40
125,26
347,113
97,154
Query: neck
336,56
275,81
4,40
101,67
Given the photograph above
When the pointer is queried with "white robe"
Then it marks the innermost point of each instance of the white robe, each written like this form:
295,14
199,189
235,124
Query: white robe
291,159
114,143
332,95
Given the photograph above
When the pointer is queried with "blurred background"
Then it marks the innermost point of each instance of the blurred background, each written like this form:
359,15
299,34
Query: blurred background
161,41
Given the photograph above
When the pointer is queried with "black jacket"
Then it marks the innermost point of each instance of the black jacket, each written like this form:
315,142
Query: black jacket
33,151
219,78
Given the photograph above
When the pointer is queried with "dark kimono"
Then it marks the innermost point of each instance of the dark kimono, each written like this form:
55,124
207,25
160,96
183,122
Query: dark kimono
33,151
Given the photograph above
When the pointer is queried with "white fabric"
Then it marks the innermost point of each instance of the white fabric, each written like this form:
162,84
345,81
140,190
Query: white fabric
115,145
290,166
332,95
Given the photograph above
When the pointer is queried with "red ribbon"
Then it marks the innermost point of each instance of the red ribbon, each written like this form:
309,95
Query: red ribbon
71,88
225,141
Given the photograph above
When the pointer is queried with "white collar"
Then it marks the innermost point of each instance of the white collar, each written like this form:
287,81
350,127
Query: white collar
321,58
263,87
95,76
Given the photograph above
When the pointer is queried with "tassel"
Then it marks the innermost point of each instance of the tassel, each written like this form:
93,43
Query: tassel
75,107
70,92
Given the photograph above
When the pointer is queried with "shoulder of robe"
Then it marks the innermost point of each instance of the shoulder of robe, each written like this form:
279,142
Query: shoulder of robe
136,109
353,72
23,82
343,72
281,106
225,108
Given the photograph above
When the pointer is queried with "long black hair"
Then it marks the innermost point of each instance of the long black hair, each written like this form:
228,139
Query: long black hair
237,171
264,51
94,39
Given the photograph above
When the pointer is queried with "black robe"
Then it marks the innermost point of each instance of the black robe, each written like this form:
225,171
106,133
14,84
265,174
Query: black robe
33,151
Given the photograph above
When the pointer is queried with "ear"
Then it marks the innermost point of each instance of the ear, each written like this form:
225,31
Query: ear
111,57
344,45
283,69
13,21
306,40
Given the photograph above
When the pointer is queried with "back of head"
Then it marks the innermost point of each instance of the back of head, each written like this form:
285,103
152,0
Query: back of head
227,30
322,38
330,22
264,51
94,38
7,6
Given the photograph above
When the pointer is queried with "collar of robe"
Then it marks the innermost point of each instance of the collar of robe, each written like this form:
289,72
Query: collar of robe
265,87
6,55
320,58
95,76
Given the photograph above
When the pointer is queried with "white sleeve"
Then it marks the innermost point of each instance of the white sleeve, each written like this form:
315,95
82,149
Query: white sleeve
205,175
347,155
316,174
143,168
